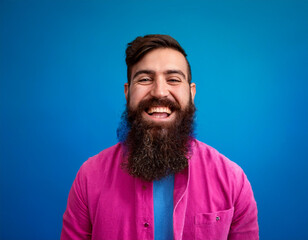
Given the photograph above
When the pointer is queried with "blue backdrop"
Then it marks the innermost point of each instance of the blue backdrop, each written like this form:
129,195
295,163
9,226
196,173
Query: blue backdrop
62,72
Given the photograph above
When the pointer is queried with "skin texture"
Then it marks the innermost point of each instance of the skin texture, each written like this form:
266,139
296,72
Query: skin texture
159,116
162,74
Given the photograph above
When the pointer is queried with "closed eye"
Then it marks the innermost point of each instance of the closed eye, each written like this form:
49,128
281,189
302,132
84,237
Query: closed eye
174,81
144,80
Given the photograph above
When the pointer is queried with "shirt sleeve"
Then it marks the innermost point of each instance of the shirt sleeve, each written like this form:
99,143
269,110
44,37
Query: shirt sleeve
76,220
245,219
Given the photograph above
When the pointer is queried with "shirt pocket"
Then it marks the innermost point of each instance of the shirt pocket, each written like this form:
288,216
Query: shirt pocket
213,226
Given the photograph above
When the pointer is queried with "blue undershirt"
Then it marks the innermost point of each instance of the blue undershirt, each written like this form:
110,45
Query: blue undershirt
163,208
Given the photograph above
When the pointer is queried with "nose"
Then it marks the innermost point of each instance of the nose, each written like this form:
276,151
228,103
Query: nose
160,88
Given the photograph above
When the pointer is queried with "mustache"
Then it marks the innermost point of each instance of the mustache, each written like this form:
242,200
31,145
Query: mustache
155,151
144,105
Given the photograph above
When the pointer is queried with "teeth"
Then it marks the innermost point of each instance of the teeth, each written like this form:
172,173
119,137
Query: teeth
159,110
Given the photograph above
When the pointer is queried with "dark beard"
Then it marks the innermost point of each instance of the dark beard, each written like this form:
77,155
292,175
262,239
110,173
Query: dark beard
154,151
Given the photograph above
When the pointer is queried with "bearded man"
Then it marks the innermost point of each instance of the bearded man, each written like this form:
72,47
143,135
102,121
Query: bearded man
159,182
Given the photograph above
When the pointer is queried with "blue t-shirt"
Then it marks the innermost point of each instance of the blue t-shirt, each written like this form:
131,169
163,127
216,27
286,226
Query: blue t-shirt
163,208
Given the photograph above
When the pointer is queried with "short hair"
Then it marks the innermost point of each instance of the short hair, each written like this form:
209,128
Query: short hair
142,45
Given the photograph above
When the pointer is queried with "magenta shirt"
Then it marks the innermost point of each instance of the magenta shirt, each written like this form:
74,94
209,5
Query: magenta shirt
212,200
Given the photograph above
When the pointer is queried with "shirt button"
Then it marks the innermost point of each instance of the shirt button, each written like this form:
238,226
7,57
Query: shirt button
217,218
146,224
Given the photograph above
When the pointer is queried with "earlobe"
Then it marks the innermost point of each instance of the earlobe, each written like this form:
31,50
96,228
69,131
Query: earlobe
193,91
126,88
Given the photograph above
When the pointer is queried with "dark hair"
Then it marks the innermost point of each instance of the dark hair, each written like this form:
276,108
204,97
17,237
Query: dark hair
142,45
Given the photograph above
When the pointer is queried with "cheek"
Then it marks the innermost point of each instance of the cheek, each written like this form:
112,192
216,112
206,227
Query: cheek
135,96
183,96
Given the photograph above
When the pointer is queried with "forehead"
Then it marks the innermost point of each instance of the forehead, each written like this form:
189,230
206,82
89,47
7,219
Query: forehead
161,60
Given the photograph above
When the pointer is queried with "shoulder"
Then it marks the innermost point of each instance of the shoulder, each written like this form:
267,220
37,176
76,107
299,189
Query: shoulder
204,154
227,185
208,164
102,161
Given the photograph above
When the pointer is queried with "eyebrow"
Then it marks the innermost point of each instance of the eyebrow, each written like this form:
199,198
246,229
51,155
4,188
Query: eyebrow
176,72
151,72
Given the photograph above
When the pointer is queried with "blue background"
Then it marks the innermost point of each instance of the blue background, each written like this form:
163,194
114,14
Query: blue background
61,97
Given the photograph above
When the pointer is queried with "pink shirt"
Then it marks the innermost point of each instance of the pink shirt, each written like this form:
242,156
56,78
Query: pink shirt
212,200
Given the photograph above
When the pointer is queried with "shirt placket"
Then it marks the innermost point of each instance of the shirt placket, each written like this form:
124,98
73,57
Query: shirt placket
144,210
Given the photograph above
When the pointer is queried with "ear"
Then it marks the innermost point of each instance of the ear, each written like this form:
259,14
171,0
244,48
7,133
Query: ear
126,89
193,91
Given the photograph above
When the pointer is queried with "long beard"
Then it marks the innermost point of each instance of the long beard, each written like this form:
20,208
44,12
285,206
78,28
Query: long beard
155,151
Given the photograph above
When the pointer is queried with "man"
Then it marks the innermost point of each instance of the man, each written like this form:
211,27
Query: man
159,182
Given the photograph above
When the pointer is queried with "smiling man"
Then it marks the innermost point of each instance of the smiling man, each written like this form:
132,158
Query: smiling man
159,182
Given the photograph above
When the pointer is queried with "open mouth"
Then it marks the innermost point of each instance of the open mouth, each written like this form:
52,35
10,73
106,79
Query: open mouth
159,112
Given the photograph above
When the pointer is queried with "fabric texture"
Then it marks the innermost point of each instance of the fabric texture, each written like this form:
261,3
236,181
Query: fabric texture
163,208
212,199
